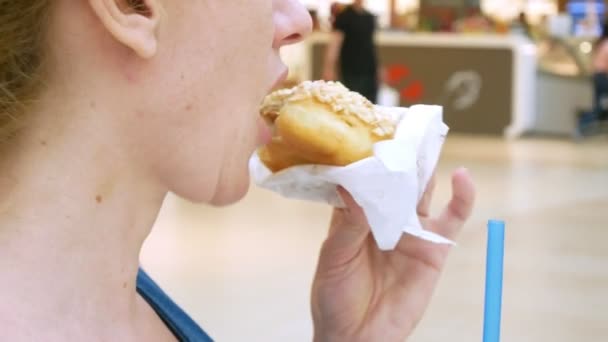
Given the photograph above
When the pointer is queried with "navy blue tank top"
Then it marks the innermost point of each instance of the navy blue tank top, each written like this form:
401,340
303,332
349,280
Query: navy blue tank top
180,324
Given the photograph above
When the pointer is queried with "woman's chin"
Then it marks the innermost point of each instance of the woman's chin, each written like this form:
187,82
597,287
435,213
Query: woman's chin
231,193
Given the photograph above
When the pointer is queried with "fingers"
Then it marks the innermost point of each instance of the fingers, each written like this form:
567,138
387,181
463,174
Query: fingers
460,207
348,233
424,206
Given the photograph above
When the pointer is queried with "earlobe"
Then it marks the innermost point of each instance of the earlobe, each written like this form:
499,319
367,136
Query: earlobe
134,27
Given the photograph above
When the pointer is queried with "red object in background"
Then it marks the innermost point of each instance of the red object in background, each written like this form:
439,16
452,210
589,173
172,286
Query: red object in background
413,92
397,77
396,74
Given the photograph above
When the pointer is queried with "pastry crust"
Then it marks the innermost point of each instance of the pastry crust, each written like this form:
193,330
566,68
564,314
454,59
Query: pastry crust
277,156
322,123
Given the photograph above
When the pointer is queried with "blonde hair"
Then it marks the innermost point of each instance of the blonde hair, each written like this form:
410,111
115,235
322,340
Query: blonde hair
23,25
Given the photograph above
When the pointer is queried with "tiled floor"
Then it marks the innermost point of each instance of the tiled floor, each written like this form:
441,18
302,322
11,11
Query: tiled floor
244,272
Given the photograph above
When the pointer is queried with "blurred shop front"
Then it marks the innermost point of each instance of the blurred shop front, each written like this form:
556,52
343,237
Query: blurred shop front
564,68
498,67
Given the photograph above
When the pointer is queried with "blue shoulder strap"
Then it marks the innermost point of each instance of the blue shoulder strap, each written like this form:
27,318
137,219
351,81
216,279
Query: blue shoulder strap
182,326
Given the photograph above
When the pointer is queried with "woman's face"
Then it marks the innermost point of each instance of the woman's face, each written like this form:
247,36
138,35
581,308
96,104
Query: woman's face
216,60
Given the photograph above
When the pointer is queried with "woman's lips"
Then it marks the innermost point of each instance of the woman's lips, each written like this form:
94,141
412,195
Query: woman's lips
264,131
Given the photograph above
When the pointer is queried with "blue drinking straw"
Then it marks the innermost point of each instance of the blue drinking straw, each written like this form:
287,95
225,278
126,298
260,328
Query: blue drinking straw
494,271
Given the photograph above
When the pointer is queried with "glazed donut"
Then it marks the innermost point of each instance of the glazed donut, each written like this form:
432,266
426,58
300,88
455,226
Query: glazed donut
321,123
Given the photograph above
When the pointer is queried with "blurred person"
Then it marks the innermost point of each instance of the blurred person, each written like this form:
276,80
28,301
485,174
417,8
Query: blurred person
105,107
352,47
600,75
334,10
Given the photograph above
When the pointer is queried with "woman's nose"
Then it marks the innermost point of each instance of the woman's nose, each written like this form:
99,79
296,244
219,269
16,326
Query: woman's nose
292,22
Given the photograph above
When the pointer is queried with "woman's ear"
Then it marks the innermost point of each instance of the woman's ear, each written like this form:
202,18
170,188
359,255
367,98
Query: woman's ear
133,23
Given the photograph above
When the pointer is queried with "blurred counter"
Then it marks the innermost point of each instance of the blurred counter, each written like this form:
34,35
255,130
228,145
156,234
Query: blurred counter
564,84
486,83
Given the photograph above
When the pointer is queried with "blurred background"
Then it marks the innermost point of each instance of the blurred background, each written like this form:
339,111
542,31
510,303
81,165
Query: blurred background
523,88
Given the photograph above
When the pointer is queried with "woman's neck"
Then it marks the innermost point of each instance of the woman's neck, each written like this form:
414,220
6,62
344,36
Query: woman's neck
73,217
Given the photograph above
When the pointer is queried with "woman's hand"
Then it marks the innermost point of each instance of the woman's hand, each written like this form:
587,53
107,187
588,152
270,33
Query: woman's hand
363,294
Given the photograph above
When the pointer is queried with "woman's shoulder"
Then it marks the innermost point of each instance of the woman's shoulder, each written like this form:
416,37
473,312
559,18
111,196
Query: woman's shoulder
176,319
